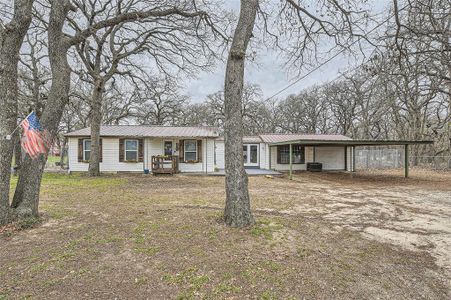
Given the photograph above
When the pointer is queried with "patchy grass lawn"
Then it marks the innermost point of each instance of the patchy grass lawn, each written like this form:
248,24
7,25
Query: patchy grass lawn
318,236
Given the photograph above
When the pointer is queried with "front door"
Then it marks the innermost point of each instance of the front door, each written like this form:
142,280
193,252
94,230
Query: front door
250,155
167,147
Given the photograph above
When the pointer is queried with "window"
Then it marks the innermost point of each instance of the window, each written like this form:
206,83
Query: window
254,154
283,154
86,149
190,150
131,150
245,153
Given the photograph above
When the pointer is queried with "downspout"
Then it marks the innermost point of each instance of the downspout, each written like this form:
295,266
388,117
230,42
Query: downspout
291,162
406,160
146,159
346,158
314,154
206,156
270,156
67,154
214,156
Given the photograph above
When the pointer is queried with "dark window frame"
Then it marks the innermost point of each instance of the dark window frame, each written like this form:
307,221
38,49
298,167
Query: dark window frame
196,151
285,150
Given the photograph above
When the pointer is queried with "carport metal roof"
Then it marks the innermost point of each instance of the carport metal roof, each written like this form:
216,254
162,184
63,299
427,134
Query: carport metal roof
353,142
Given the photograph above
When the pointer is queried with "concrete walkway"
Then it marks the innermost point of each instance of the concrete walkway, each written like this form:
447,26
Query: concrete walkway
250,172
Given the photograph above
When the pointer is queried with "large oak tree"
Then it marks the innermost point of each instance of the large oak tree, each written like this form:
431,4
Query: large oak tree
12,35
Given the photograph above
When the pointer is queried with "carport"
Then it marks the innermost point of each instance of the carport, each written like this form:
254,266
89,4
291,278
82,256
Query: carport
349,145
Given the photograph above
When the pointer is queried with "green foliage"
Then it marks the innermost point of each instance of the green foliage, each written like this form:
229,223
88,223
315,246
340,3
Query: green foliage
265,229
226,288
141,280
149,251
303,253
267,295
188,277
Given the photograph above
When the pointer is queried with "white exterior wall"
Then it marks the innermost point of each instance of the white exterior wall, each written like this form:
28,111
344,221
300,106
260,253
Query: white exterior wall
349,159
208,159
220,156
152,147
110,160
263,156
332,158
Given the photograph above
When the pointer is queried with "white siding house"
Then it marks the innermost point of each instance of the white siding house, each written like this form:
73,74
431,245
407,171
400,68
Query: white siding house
144,142
110,160
201,150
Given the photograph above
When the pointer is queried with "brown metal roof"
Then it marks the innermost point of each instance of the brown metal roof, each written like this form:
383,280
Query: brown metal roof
148,131
280,138
247,139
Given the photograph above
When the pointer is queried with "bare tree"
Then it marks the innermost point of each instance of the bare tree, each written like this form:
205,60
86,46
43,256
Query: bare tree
420,42
423,29
162,104
180,41
12,35
34,78
26,198
300,26
305,112
237,212
253,109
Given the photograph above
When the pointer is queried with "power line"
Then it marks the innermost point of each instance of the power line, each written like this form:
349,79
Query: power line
332,57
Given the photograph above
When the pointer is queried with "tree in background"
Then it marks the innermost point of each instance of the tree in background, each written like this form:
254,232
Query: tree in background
162,104
12,34
180,42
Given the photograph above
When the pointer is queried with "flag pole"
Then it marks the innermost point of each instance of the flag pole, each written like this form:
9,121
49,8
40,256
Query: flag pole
9,136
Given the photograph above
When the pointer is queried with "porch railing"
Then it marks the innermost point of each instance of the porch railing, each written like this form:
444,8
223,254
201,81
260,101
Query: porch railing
165,164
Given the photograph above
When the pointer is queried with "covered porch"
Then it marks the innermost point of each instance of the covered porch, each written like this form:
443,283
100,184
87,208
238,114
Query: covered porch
348,146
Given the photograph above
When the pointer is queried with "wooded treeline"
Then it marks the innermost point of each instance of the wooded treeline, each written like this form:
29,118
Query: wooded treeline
81,63
400,92
369,103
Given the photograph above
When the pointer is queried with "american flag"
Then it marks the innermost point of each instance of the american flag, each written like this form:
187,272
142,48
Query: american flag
34,140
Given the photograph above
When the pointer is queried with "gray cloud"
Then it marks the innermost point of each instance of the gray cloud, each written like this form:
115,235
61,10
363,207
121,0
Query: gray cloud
268,71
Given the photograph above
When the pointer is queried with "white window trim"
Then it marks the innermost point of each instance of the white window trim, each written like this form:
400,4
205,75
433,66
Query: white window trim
125,150
248,150
84,149
184,150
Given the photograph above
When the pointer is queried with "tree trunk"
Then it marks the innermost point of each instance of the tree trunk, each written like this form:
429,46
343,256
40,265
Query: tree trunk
237,211
63,145
96,121
26,197
11,38
17,151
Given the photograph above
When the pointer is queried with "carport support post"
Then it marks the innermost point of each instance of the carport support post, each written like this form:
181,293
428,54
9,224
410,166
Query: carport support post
406,160
291,162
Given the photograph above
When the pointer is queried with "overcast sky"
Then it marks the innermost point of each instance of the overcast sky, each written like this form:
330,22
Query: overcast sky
269,72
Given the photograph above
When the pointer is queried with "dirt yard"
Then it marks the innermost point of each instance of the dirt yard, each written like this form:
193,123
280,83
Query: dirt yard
320,236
